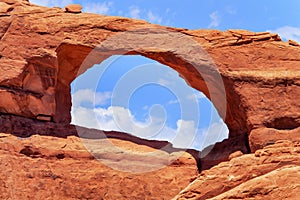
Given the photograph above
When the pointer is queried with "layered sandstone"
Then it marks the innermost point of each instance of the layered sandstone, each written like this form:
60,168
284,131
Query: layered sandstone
270,173
255,68
253,79
47,167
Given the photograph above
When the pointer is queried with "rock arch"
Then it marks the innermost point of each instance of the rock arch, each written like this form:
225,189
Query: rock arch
259,71
170,48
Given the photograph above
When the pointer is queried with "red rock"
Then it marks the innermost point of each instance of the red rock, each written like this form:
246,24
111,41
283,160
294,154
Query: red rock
270,173
73,8
235,155
35,77
293,43
261,79
265,136
44,167
4,7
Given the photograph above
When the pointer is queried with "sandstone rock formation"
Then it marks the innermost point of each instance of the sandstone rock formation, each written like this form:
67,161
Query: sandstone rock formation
270,173
44,167
42,50
36,73
73,8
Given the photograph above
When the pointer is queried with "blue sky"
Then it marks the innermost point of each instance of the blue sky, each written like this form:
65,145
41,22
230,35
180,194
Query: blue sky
163,106
255,15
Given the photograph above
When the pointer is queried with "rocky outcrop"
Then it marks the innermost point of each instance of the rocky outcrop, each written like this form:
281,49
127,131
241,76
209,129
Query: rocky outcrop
73,8
253,79
256,69
47,167
269,173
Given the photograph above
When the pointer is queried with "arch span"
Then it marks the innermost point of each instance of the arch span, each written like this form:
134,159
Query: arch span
170,48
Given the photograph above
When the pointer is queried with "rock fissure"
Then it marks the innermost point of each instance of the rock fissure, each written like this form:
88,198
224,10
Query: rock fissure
5,30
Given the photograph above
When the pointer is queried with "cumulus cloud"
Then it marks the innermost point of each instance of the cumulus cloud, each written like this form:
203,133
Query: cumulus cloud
90,97
215,20
99,8
185,135
92,7
148,15
153,18
217,131
134,12
164,82
288,33
231,10
52,3
118,119
196,96
174,101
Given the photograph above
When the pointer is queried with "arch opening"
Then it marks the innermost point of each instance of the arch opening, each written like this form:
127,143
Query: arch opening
142,97
173,49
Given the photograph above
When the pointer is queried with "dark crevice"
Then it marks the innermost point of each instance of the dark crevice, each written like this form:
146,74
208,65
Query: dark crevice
27,151
247,143
283,123
240,42
4,15
266,83
43,33
10,9
60,156
19,90
5,30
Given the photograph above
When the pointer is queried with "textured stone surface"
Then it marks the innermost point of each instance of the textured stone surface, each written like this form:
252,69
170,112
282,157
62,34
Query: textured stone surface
35,75
73,8
269,173
261,76
43,167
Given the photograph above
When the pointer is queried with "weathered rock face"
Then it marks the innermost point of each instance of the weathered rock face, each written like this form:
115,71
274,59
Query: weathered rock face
42,50
73,8
269,173
41,53
44,167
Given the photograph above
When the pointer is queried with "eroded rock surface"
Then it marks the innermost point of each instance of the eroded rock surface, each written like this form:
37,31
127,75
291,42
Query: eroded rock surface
44,167
73,8
257,69
270,173
42,50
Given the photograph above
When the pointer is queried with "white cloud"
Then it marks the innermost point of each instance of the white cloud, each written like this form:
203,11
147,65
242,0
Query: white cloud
186,135
134,12
118,119
145,107
148,15
52,3
175,101
164,82
231,10
88,96
217,131
40,2
196,96
288,33
99,8
215,20
153,18
92,7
